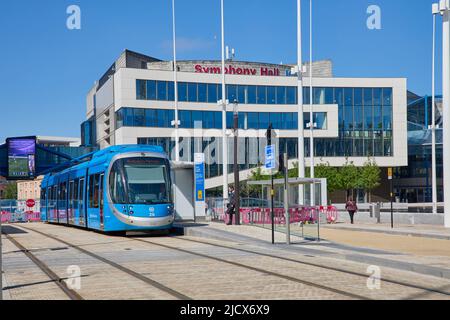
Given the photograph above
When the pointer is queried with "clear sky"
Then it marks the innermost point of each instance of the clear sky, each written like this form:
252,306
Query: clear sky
46,69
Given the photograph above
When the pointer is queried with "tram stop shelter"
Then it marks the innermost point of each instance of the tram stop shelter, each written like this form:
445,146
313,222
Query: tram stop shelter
183,183
296,215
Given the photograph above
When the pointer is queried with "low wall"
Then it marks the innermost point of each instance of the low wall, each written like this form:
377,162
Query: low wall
399,218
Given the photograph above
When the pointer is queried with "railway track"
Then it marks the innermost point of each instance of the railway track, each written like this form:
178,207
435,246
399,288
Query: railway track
184,297
312,264
178,295
72,294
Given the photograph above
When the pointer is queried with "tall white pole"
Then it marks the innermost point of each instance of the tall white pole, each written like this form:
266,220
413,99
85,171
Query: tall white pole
224,112
446,109
301,141
433,122
175,83
311,112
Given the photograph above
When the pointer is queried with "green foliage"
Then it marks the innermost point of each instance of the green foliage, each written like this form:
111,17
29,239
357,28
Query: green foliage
370,176
331,174
11,191
347,178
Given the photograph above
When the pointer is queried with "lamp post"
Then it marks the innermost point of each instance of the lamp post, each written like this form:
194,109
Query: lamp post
311,112
301,142
176,122
236,165
435,11
444,7
224,103
1,254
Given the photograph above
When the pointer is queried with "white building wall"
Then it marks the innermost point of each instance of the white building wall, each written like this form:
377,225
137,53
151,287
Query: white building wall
125,96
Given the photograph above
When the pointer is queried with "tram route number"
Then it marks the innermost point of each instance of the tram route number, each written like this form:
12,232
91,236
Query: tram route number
228,310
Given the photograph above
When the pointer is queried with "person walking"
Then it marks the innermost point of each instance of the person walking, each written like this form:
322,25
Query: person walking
351,207
230,205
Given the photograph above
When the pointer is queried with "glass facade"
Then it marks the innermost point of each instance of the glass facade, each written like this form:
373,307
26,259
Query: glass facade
413,183
211,93
365,117
162,118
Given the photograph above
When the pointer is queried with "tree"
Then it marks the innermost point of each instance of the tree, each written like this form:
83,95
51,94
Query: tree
349,177
11,191
331,174
370,176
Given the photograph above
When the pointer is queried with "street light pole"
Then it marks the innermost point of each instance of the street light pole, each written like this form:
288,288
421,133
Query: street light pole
311,112
224,112
444,7
301,141
435,11
236,165
175,83
1,255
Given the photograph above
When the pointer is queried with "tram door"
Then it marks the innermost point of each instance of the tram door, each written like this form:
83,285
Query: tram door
101,202
81,203
95,203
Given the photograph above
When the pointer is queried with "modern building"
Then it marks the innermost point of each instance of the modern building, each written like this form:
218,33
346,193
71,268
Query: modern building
413,184
355,118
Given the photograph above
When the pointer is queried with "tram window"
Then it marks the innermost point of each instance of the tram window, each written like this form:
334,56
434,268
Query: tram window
93,190
75,194
101,179
116,184
81,193
71,183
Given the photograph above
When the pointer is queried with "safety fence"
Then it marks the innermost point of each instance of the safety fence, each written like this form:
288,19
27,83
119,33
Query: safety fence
12,211
263,216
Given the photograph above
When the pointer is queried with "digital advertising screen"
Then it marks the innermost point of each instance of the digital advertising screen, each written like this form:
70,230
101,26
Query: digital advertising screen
21,158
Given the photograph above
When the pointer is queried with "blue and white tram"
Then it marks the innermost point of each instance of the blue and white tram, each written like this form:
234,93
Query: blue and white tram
121,188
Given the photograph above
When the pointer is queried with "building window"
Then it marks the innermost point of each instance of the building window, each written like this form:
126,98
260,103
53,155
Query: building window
151,90
141,90
212,93
162,90
202,92
192,92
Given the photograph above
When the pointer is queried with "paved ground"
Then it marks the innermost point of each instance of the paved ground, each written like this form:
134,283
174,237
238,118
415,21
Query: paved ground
197,268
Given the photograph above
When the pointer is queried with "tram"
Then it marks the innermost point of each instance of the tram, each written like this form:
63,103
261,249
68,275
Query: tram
118,189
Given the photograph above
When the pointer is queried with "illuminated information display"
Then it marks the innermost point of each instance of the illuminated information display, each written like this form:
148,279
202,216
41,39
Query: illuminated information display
21,158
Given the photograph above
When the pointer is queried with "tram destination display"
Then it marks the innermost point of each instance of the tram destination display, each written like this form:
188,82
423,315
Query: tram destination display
21,158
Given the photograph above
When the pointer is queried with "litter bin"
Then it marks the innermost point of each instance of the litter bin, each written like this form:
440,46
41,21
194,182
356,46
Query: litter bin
377,212
374,211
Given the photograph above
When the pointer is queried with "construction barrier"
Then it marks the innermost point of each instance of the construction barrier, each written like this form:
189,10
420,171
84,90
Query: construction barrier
11,217
297,215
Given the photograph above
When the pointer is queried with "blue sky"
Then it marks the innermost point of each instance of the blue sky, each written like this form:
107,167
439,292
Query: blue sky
47,69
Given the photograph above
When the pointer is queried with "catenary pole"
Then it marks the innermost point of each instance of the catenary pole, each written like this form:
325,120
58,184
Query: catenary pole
1,257
433,120
224,111
301,141
311,112
446,107
175,82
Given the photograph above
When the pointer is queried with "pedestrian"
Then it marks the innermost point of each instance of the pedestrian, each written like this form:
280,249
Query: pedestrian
230,205
351,207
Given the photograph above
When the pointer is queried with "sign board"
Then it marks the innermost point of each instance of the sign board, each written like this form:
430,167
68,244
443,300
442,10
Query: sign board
199,176
389,173
21,158
30,203
270,162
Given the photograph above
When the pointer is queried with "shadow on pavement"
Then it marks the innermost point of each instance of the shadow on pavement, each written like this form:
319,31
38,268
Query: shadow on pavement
12,230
